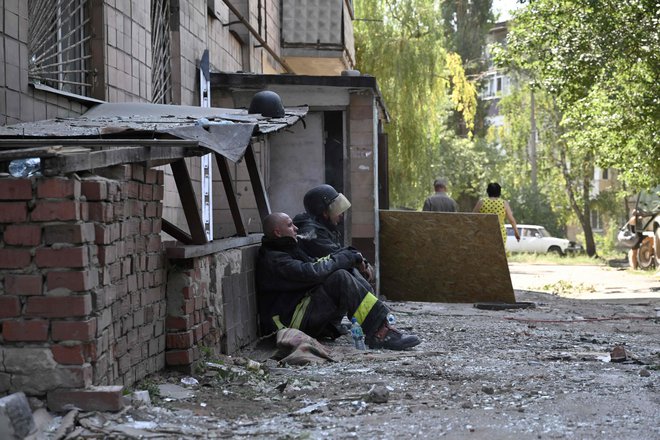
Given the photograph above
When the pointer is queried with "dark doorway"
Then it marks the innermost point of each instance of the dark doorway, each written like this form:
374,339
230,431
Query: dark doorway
333,124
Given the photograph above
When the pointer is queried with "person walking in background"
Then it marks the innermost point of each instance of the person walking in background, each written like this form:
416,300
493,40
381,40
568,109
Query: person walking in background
440,201
495,205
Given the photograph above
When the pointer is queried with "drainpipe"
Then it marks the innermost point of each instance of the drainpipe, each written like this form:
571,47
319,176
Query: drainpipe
256,35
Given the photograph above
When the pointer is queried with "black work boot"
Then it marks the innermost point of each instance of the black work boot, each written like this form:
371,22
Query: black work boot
391,339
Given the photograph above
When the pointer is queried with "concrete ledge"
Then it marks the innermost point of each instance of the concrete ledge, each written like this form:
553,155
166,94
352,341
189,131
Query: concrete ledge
178,252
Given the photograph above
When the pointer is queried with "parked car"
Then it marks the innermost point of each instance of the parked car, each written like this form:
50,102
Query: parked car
535,238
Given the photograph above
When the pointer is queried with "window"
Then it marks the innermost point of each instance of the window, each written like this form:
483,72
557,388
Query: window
605,173
58,45
596,220
161,71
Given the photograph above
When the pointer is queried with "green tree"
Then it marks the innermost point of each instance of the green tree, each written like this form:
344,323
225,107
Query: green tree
421,82
598,60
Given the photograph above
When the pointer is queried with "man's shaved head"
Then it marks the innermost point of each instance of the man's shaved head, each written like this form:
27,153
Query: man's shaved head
278,224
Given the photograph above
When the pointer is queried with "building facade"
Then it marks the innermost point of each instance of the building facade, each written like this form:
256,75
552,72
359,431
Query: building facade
105,296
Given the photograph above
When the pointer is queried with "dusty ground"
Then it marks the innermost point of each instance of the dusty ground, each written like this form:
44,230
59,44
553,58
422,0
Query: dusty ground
538,373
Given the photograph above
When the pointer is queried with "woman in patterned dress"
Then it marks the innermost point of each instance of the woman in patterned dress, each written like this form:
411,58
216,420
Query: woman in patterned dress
495,205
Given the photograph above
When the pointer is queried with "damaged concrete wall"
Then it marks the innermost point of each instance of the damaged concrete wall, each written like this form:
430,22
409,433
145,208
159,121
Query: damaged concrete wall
211,304
82,280
443,257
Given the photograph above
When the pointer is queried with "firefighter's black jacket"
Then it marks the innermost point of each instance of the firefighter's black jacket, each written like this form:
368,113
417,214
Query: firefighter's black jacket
285,274
318,238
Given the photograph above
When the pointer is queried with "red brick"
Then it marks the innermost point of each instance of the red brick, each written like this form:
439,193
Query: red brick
180,340
178,322
146,192
69,233
107,254
58,188
160,177
151,176
158,193
153,243
74,330
68,355
63,257
74,280
95,190
198,331
15,189
101,212
59,306
13,212
64,210
14,258
96,398
138,172
23,235
151,209
33,330
10,306
106,234
179,357
24,284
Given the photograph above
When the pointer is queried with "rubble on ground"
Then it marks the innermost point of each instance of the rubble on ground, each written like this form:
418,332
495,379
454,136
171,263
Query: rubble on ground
561,369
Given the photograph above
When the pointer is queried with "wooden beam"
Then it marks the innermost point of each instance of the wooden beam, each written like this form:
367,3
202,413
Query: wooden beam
90,160
189,201
225,175
258,187
176,232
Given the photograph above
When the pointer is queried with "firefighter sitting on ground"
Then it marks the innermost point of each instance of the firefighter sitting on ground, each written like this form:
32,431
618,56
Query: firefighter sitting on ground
298,291
320,224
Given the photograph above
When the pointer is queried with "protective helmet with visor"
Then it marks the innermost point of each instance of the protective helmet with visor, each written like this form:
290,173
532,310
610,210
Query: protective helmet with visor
324,198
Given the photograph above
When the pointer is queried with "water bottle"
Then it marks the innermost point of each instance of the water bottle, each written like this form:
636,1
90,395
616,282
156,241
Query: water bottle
358,335
391,319
25,167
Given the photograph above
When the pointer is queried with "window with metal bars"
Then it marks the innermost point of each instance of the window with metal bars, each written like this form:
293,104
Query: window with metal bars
161,71
58,45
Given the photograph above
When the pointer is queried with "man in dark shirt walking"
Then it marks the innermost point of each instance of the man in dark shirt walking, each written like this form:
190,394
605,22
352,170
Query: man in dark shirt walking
440,201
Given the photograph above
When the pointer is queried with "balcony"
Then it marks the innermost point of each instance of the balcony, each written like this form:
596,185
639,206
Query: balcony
317,36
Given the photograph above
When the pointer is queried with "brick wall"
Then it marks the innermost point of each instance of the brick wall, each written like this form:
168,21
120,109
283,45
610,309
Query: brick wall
82,280
211,303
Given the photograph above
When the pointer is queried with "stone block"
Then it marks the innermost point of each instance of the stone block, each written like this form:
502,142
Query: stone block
16,420
98,398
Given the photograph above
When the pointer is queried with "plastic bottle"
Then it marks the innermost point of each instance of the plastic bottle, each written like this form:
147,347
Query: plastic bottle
391,319
25,167
358,335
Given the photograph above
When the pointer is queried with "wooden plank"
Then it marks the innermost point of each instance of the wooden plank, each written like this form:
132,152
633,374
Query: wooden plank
443,257
176,232
81,161
230,191
260,195
181,252
189,201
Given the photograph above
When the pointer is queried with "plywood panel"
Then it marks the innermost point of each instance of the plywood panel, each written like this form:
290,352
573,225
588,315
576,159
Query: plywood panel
443,257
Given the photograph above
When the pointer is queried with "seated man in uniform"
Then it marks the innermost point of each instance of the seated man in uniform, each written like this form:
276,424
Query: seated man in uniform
298,291
319,225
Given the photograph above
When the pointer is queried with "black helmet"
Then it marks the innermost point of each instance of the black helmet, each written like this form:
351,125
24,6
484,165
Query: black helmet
268,104
325,198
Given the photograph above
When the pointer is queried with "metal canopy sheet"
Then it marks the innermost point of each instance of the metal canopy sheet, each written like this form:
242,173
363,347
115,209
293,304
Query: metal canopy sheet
229,140
221,130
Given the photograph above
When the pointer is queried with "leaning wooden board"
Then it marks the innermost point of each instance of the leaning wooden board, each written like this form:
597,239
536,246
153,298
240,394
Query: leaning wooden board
443,257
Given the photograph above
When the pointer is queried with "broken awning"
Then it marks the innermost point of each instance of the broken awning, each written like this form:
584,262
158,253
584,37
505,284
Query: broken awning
221,130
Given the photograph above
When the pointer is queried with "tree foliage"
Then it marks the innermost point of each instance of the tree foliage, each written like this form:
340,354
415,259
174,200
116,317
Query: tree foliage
421,82
601,61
